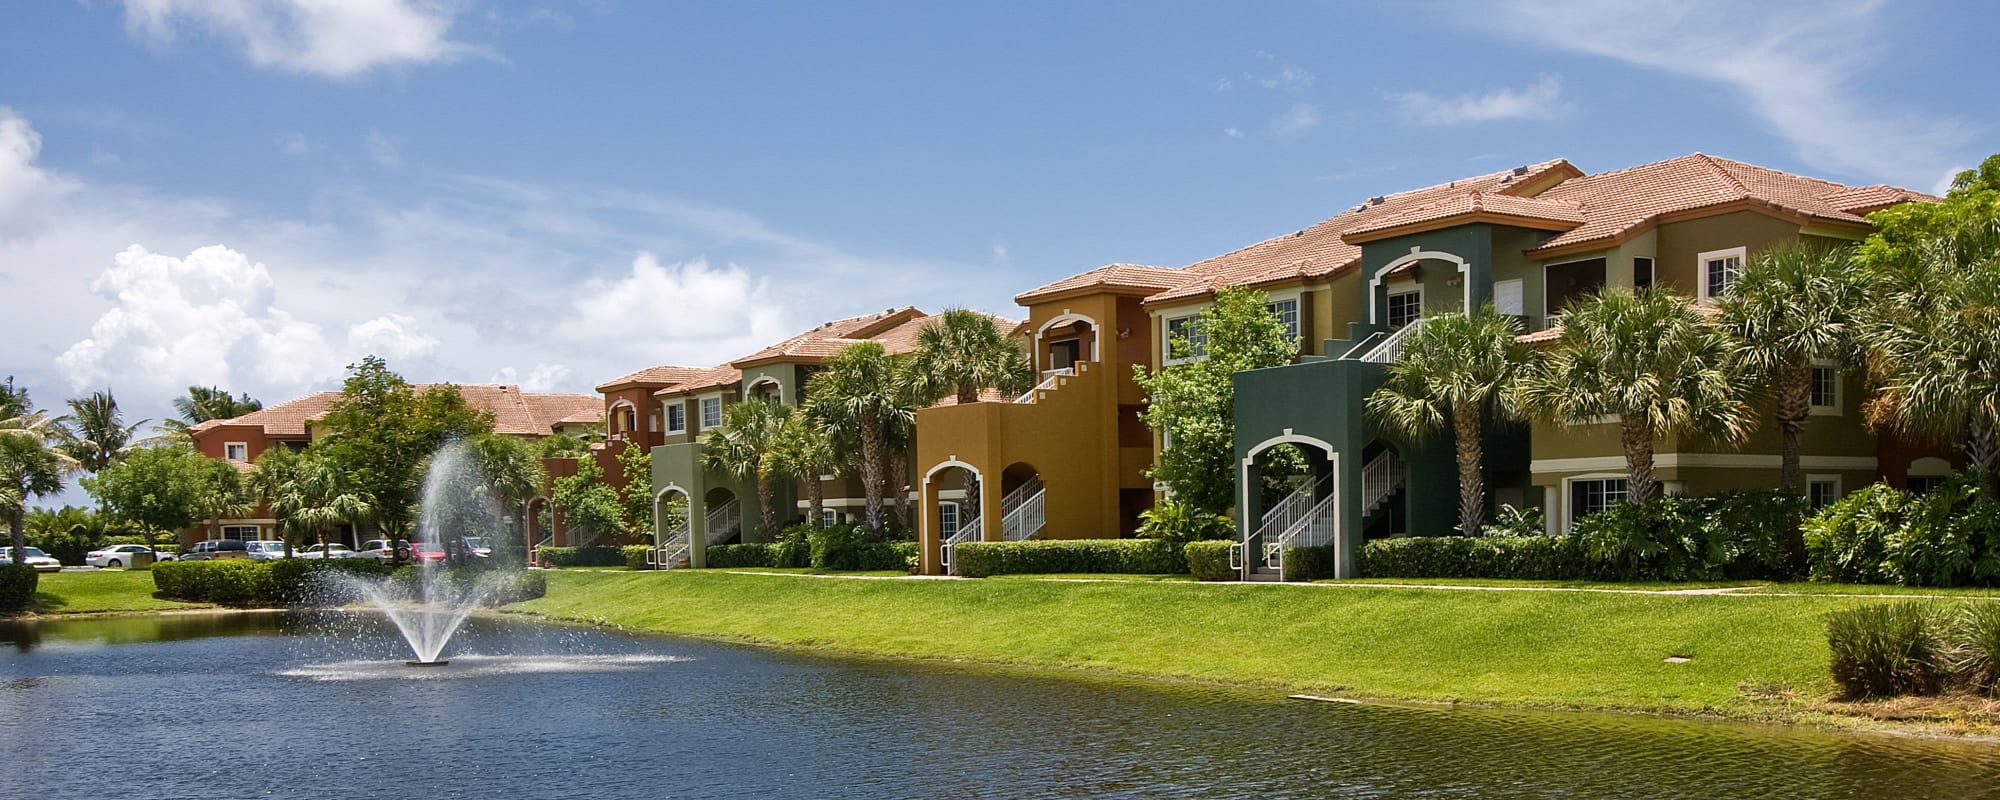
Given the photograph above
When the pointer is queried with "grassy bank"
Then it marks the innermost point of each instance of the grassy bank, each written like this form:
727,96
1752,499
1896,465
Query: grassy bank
1748,656
100,592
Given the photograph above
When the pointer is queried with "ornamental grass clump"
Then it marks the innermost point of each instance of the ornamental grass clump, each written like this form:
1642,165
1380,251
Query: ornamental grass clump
1976,650
1889,649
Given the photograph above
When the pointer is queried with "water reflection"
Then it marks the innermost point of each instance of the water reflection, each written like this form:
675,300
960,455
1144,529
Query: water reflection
616,716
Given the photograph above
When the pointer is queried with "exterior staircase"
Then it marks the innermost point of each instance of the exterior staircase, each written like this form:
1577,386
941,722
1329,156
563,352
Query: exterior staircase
1296,521
971,530
1380,479
723,522
675,548
1023,512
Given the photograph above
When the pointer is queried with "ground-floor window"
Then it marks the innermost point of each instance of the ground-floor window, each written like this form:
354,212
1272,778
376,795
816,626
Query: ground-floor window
1925,484
247,533
1587,497
948,519
828,518
1822,491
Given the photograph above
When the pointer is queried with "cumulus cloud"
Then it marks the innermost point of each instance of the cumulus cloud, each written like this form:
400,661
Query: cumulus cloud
213,318
541,378
328,39
1539,100
1298,119
672,312
25,188
294,143
1793,63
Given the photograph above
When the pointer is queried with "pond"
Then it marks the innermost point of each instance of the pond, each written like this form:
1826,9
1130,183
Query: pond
274,705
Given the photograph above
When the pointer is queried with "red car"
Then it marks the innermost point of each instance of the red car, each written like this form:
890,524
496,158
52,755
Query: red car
426,552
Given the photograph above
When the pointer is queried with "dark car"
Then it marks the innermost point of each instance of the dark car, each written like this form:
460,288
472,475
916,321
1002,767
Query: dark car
216,549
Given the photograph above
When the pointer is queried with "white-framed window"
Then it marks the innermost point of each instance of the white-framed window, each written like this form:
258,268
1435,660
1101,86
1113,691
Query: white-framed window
245,533
1824,392
947,520
1287,312
1822,490
1718,271
1588,496
1406,305
1188,328
828,518
236,451
711,412
677,417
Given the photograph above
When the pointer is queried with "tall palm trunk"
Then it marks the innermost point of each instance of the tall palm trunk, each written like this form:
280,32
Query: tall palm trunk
1638,440
1794,406
871,472
815,501
1471,460
967,393
892,483
17,528
767,505
1983,449
969,509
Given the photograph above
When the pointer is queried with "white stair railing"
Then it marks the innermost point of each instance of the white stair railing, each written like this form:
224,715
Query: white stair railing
1315,529
1380,478
535,552
723,521
674,547
1048,382
1028,517
969,530
1392,348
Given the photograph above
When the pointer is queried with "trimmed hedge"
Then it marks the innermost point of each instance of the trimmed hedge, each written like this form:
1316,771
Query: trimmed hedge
593,556
750,555
17,587
306,582
1309,563
1208,559
635,555
1043,556
853,547
1520,557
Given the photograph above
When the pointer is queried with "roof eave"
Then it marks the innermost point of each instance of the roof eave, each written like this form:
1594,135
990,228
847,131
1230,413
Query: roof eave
1455,220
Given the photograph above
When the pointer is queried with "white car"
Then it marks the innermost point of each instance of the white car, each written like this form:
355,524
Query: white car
36,558
330,550
382,550
265,550
118,556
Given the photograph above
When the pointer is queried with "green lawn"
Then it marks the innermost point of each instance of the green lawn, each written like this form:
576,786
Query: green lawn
1652,586
1871,589
1561,649
100,591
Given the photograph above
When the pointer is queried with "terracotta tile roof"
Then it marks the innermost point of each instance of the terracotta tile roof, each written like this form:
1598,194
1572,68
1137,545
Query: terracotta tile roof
827,339
651,376
1864,199
709,379
1623,201
514,412
1319,251
1561,215
1112,276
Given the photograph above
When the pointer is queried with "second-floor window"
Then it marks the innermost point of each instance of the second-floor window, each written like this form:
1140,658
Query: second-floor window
1287,312
711,412
1404,308
1185,340
631,420
677,418
1825,397
236,451
1719,271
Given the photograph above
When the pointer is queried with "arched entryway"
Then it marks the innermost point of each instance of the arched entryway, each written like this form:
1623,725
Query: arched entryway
1023,502
951,498
722,517
673,544
1063,341
537,521
1289,498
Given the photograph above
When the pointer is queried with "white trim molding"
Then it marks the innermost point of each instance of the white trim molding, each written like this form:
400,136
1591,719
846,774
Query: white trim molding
1568,514
1341,569
1418,254
1701,461
1741,254
1839,391
760,381
246,451
1067,316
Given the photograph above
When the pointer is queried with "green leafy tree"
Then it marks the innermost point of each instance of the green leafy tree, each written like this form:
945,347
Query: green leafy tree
1931,327
742,447
562,445
162,489
635,465
1650,360
383,433
858,394
1193,404
101,434
33,463
961,352
1794,304
591,507
512,472
804,451
1455,372
313,498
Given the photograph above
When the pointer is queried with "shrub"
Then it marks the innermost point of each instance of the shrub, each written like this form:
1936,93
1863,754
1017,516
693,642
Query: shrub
309,582
1888,649
301,581
1976,646
1134,556
1845,541
1309,563
1521,557
17,587
1516,522
1731,535
594,556
635,555
1176,521
1208,559
741,555
837,547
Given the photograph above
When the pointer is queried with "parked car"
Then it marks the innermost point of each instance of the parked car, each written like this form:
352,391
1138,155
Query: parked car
329,550
118,556
382,550
216,549
265,550
476,546
36,558
427,552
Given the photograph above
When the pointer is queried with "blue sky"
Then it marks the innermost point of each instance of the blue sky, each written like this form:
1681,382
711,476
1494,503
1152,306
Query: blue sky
254,194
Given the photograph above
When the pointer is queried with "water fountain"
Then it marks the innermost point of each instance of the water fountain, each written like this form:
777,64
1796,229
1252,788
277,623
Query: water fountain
455,502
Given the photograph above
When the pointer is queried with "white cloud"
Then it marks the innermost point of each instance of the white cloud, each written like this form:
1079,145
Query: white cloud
542,378
1298,119
669,313
1944,182
1233,132
384,150
327,38
1792,62
294,143
1539,100
25,188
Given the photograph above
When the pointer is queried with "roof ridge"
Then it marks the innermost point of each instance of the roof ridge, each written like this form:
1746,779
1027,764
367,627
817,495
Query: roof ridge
1742,192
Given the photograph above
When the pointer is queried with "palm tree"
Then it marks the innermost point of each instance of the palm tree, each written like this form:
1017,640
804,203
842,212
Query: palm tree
14,400
804,451
33,462
741,448
316,497
1454,371
274,469
1793,305
204,403
857,392
1651,360
1932,333
960,352
512,471
100,432
224,495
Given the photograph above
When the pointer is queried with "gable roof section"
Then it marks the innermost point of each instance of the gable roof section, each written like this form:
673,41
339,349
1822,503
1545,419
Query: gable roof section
1472,206
709,379
1132,278
651,376
827,339
514,412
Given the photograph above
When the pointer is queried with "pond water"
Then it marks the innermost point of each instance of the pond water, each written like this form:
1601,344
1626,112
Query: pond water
248,705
